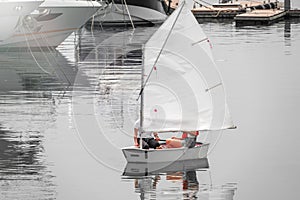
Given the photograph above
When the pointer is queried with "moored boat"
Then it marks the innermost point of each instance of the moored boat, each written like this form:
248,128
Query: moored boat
51,23
10,13
120,12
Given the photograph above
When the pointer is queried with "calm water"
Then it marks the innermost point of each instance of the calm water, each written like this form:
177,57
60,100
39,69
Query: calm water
65,114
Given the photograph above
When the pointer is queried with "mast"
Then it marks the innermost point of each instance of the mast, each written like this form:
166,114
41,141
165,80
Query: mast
160,52
142,96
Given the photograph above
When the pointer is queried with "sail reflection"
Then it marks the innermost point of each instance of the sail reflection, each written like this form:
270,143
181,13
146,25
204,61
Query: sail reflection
178,180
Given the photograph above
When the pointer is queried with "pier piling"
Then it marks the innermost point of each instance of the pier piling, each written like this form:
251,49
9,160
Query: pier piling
287,5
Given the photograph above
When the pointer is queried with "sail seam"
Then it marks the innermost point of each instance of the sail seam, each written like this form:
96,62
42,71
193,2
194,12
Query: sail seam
205,39
213,87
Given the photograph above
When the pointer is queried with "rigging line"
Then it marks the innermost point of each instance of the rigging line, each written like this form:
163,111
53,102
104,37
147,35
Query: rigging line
35,39
92,24
93,17
117,8
34,56
161,50
123,13
51,50
41,50
101,15
52,53
197,1
203,5
22,29
126,6
205,39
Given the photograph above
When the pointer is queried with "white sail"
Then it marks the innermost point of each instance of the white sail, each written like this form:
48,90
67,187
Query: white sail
184,91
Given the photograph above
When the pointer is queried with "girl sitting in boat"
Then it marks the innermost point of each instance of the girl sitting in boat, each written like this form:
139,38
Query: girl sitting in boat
188,139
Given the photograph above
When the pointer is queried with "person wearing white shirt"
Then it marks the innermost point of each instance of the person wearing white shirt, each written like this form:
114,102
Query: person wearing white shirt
149,139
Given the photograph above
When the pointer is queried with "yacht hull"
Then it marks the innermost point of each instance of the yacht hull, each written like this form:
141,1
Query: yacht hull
51,24
146,13
10,12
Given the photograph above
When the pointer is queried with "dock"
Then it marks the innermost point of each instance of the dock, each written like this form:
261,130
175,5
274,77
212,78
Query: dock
244,12
229,10
216,13
293,13
259,17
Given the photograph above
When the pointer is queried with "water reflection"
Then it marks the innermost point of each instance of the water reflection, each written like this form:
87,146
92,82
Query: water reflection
288,36
23,168
35,71
32,86
95,44
179,180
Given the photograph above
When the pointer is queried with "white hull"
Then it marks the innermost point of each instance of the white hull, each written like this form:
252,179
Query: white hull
11,11
137,155
52,24
145,169
114,15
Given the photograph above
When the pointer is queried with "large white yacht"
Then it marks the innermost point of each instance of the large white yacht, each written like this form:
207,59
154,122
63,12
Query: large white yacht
51,23
11,11
137,12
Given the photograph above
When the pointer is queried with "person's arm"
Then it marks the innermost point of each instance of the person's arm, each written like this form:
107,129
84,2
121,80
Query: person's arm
135,134
177,138
156,136
194,133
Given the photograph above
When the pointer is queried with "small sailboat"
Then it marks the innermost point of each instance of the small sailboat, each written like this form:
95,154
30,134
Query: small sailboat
181,88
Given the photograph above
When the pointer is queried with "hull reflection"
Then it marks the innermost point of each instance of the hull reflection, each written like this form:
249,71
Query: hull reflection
145,169
178,180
